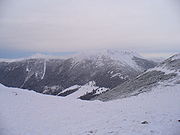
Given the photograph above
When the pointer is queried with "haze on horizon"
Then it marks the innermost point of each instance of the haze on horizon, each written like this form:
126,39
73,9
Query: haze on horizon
149,27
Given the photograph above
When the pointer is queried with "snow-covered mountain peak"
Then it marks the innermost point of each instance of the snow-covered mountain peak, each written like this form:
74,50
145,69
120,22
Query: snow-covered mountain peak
35,56
92,54
122,57
40,56
176,57
44,56
11,60
107,52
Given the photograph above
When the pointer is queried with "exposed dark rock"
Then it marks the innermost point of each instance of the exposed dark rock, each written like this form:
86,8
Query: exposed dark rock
88,96
144,122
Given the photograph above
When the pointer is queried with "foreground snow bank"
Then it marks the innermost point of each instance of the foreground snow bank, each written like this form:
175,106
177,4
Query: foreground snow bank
28,113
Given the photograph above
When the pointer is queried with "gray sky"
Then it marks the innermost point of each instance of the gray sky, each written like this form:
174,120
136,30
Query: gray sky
146,26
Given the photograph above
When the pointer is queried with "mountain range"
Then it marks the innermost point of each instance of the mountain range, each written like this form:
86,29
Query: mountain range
103,75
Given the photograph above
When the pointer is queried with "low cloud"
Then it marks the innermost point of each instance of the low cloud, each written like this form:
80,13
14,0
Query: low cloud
61,25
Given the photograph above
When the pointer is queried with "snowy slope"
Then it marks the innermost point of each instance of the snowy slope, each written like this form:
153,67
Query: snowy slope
29,113
80,91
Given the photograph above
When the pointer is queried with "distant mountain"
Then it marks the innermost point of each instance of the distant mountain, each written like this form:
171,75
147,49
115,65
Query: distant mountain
103,70
165,74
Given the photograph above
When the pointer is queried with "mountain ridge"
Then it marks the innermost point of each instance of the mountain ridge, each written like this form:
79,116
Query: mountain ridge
165,74
51,76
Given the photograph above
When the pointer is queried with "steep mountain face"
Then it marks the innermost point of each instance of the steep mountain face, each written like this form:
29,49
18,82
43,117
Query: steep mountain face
165,74
106,69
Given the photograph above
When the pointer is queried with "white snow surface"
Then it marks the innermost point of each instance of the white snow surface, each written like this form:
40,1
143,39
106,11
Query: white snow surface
24,112
44,70
70,88
82,90
119,75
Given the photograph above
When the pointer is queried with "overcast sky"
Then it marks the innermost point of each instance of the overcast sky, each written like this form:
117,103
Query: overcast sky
151,27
